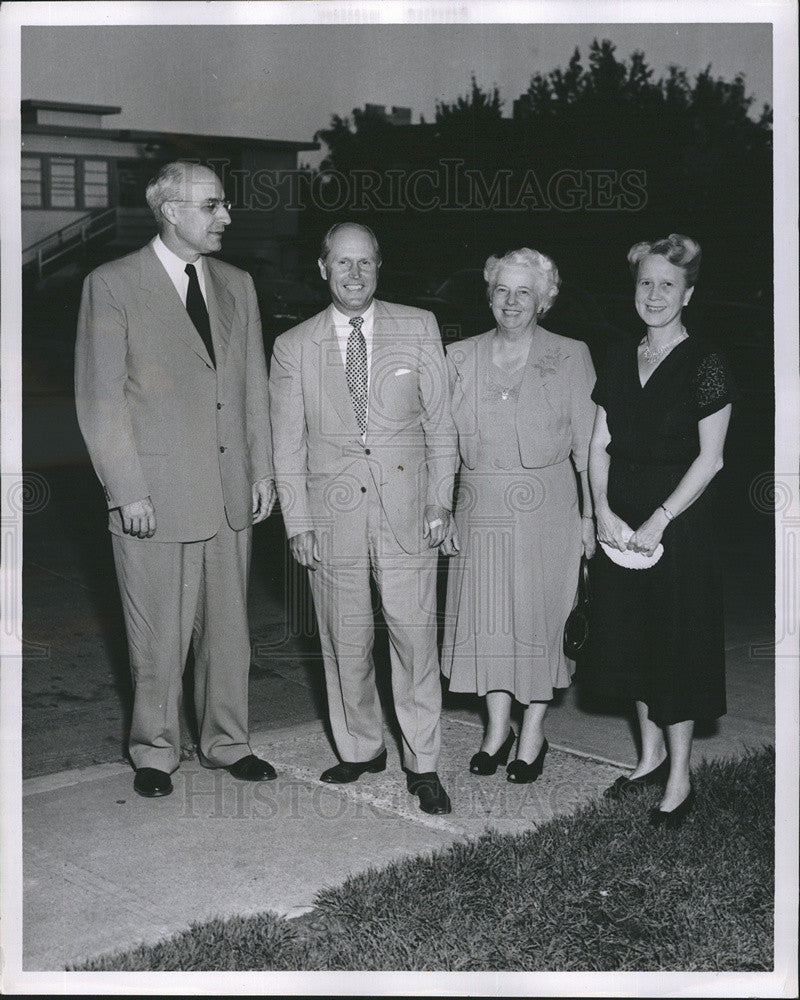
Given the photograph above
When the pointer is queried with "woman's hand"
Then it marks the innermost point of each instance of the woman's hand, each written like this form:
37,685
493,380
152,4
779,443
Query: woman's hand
612,529
588,536
648,535
450,545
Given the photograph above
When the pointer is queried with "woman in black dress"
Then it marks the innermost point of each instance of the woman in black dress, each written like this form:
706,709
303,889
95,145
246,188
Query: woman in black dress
657,633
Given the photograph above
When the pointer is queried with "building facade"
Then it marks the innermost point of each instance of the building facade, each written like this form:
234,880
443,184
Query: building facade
84,182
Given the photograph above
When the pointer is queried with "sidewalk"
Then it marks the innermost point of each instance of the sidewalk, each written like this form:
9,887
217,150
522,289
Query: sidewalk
105,869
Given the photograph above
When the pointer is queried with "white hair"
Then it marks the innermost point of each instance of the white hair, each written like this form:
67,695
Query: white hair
546,280
169,184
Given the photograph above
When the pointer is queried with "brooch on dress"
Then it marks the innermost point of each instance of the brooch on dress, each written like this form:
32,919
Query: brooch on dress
548,363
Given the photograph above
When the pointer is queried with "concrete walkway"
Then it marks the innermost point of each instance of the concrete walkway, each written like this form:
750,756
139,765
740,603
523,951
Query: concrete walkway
105,869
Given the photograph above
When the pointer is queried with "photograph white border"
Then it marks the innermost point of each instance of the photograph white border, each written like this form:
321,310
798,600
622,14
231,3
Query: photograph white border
783,15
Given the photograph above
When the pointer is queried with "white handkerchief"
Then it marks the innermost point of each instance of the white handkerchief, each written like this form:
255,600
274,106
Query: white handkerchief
633,560
403,371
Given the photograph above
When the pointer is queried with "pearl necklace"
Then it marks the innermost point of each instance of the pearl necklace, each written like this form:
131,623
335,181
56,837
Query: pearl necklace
651,355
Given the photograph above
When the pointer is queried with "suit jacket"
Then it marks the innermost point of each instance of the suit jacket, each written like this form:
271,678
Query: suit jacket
409,449
158,419
554,412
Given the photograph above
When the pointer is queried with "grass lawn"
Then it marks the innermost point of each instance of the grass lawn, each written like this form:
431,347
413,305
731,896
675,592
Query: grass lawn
598,891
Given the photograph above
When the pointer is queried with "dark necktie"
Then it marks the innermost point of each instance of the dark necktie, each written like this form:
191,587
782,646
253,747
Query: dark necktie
198,314
356,371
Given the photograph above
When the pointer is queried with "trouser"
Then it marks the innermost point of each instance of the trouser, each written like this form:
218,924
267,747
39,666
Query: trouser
174,593
353,545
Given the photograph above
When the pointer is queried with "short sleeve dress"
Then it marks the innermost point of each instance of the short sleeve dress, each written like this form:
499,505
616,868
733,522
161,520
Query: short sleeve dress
657,634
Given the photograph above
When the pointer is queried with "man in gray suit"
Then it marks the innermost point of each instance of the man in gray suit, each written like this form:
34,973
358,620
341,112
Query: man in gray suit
365,455
172,397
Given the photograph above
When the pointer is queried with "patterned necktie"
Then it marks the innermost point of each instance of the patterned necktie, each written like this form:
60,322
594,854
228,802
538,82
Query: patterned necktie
356,371
198,314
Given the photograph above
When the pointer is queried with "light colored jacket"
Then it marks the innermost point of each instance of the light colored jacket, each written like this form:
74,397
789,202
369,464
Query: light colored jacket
157,418
409,449
554,412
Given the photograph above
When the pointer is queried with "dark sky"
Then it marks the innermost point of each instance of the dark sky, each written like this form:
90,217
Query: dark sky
285,81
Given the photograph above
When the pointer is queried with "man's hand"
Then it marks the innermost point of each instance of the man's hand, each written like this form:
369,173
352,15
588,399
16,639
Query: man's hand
436,525
305,548
139,518
451,543
264,494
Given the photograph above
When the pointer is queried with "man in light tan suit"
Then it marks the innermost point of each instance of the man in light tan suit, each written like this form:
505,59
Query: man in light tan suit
172,397
365,454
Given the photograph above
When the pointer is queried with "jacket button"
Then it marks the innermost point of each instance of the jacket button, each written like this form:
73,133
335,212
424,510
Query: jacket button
219,406
222,448
367,451
363,489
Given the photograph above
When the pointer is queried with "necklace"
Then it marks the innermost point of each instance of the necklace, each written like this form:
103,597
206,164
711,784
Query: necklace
651,355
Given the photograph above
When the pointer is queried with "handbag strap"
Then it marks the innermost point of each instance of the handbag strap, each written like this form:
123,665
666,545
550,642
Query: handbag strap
583,580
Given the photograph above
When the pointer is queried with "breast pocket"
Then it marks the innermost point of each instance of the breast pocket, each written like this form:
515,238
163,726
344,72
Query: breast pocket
394,396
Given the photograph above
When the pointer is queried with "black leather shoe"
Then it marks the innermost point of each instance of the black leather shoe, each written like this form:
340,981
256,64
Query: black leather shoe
252,768
624,785
520,772
151,783
345,771
673,818
433,798
487,763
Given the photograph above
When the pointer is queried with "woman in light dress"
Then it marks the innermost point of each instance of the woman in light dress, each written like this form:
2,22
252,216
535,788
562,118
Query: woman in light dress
523,410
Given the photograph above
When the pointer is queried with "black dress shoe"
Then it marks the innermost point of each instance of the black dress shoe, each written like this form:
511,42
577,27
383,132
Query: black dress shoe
623,785
520,772
345,771
433,798
487,763
151,783
251,768
673,818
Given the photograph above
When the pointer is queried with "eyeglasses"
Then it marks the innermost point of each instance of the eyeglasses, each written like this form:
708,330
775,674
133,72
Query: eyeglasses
210,205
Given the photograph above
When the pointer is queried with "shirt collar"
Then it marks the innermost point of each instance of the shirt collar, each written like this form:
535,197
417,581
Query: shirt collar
339,318
175,265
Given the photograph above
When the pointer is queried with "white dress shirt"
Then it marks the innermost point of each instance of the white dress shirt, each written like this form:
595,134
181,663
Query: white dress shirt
344,328
176,269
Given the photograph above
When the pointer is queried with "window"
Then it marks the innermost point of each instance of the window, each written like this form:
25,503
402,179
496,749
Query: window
62,182
50,180
32,182
95,183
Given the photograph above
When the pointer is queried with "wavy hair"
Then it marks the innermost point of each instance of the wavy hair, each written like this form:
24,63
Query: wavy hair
682,251
546,279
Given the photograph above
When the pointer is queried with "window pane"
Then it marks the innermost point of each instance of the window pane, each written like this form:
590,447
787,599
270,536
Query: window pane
95,183
95,200
62,183
95,167
31,182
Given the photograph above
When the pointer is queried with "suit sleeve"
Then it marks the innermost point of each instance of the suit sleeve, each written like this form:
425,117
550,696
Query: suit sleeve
289,439
259,437
582,409
100,379
441,452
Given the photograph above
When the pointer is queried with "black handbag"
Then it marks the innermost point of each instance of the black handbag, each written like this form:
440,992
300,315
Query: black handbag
576,629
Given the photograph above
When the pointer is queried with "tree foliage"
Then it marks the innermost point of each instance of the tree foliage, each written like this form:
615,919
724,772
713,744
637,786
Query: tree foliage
705,156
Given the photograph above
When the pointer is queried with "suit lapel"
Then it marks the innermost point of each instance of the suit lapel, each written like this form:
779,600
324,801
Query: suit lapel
334,380
221,308
385,341
165,305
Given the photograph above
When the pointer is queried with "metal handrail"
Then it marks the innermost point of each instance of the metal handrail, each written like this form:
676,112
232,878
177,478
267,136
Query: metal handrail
74,233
